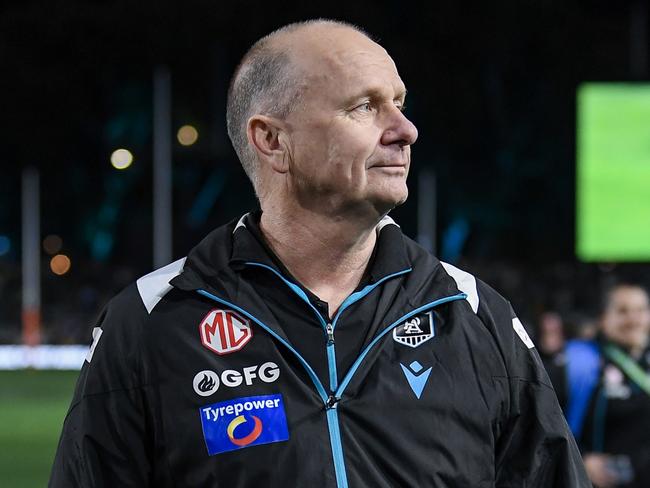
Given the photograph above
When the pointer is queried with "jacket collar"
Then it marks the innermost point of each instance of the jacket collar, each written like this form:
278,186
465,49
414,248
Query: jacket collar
230,247
389,256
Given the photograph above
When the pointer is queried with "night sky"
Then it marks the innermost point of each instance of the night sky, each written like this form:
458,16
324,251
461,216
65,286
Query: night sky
491,90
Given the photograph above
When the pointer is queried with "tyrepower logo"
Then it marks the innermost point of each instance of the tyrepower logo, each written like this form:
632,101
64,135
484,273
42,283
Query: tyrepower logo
242,422
225,331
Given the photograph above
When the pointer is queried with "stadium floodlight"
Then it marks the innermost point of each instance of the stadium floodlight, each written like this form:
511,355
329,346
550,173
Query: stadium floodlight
187,135
60,264
121,158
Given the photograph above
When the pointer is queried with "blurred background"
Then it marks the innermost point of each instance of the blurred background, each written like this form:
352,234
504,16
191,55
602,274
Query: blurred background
532,168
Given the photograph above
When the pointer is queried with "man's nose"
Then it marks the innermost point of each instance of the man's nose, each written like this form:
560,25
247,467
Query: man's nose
400,130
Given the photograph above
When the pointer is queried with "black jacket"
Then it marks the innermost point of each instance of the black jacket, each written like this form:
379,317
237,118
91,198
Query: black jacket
196,383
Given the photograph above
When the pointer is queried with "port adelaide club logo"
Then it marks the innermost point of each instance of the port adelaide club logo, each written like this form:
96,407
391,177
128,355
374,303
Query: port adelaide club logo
225,331
415,331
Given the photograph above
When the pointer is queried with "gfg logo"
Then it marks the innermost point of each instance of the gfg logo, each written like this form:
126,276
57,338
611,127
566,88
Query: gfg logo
207,382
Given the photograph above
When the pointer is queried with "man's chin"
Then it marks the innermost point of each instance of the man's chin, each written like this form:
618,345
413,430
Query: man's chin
384,202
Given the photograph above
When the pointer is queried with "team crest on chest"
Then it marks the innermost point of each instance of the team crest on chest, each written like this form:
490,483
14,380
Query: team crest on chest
225,331
415,331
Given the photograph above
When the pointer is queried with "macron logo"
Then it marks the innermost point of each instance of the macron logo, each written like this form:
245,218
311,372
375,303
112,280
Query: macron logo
416,377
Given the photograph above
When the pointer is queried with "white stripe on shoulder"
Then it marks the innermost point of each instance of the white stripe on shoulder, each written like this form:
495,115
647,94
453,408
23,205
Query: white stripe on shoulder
465,283
240,223
155,285
386,220
521,332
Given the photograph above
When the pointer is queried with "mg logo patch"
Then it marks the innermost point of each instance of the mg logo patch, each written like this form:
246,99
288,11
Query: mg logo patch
416,330
243,422
225,331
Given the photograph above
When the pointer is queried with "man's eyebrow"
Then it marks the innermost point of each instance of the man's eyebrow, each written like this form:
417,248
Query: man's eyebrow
374,92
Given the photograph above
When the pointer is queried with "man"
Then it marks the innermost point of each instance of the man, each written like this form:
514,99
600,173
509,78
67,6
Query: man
313,344
608,391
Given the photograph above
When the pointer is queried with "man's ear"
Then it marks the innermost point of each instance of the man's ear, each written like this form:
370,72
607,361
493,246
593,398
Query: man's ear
266,135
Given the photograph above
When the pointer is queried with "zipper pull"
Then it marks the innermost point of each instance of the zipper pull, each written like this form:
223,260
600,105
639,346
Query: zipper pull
330,334
331,402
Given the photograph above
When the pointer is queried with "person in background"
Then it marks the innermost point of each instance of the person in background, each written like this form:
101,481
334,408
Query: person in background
608,391
551,334
551,339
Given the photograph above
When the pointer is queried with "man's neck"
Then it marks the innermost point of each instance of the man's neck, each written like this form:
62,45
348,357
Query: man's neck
328,256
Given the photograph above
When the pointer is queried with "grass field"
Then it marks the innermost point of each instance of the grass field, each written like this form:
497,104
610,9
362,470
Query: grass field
32,407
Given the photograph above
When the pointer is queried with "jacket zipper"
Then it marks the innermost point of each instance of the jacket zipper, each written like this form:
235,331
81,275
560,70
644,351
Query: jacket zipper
331,356
331,400
329,327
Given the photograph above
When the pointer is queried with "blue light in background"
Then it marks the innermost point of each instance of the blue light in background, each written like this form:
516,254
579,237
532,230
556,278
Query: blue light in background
453,240
5,245
102,244
206,198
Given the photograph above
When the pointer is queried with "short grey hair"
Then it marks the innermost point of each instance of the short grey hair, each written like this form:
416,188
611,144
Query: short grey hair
267,82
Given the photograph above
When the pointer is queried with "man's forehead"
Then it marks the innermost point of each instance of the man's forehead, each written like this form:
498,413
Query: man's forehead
318,37
337,54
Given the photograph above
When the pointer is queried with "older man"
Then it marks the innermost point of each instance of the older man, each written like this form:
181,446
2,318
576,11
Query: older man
312,344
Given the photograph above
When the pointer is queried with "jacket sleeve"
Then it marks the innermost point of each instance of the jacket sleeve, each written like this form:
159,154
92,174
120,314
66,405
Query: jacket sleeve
104,438
534,446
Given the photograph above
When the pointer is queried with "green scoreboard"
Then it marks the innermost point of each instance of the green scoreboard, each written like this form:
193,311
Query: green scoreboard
613,172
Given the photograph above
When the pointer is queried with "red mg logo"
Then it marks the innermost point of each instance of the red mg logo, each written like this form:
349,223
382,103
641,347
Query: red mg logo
225,331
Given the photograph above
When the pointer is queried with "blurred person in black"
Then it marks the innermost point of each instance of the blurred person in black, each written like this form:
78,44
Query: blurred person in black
312,343
607,382
550,339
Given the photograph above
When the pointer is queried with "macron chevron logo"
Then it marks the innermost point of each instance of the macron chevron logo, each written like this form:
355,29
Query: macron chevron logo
416,377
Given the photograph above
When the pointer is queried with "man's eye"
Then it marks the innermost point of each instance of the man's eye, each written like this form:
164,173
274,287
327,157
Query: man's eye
365,107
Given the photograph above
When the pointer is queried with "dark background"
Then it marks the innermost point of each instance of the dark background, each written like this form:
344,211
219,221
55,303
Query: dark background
491,90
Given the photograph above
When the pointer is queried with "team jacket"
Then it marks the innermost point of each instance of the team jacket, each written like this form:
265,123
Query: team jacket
192,381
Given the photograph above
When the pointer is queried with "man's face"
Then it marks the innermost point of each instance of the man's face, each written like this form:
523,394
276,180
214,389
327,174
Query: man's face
349,140
626,320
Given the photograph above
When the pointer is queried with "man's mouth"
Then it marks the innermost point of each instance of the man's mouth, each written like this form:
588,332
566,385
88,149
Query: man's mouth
388,165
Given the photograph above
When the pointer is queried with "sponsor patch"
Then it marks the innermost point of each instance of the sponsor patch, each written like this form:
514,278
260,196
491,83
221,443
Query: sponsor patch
225,331
243,422
417,377
415,330
206,382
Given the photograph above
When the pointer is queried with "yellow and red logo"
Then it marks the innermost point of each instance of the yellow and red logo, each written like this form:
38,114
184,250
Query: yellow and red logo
248,439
